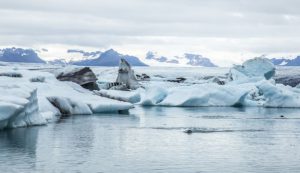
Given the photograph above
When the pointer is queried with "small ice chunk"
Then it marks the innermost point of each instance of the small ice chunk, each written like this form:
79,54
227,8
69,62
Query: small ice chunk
37,79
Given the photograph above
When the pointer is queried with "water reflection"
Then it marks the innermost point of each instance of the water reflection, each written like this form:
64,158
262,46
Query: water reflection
151,139
18,149
20,139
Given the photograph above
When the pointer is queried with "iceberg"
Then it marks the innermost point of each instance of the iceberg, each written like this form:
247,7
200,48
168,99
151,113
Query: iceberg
38,98
280,95
210,94
257,67
19,107
126,75
250,84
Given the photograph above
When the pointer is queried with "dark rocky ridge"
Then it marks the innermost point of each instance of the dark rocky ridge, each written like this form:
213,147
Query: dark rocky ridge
286,62
85,77
288,80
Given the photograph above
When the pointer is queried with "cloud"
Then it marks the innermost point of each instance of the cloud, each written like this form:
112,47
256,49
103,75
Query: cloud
230,26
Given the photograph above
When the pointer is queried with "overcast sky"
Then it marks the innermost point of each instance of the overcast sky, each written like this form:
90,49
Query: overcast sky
225,30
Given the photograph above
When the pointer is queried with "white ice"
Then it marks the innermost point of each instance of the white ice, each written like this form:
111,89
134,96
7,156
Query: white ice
38,97
247,86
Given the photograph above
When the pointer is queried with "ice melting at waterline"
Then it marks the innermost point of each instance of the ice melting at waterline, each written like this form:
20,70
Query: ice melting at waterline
28,101
249,84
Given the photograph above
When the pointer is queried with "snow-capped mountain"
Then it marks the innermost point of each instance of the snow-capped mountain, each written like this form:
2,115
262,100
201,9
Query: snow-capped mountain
19,55
198,60
99,58
286,62
83,55
109,58
63,57
186,60
58,62
153,56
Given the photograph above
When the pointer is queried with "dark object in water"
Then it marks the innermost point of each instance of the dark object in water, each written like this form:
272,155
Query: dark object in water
282,116
11,74
178,80
189,131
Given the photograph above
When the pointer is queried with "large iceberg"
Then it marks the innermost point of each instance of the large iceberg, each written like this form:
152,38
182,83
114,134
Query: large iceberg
198,95
250,84
37,97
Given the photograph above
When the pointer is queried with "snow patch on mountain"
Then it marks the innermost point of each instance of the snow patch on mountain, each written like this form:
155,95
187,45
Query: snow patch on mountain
152,58
110,58
286,61
19,55
83,55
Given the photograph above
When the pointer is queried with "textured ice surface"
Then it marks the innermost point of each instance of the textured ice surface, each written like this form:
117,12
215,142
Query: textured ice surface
247,85
257,67
126,96
198,89
126,75
19,106
24,101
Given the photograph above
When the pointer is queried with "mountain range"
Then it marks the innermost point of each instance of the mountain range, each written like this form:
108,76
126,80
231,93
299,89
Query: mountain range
109,58
286,62
185,60
20,55
98,58
112,58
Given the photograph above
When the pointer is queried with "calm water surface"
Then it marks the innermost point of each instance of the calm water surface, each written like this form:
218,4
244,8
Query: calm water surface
153,140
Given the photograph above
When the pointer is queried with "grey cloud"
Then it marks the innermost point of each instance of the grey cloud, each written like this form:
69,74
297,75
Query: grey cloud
257,25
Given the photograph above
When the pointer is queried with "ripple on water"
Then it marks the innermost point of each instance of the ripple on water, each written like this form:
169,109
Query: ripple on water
202,130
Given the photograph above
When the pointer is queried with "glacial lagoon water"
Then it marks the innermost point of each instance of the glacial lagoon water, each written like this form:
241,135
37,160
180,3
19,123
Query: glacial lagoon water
152,139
